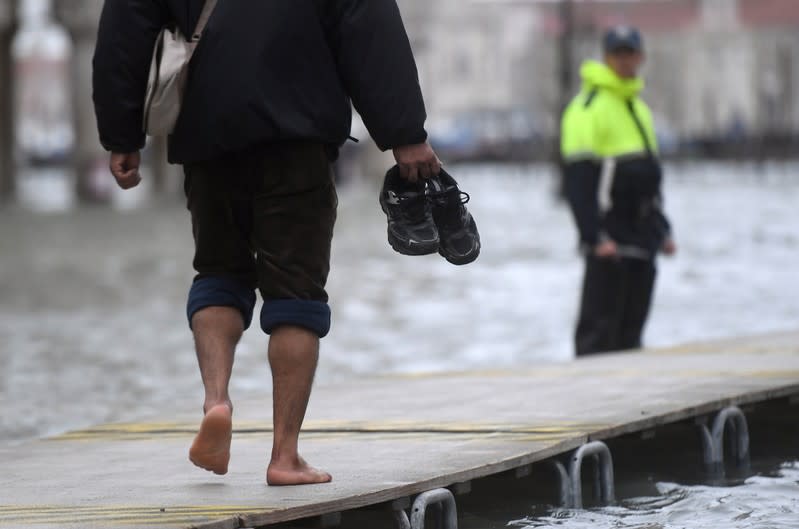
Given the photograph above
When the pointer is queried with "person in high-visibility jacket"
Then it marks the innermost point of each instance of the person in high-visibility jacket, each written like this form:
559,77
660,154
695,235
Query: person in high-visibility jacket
613,186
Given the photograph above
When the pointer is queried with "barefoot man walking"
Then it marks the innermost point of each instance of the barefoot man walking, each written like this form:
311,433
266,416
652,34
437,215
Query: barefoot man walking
267,105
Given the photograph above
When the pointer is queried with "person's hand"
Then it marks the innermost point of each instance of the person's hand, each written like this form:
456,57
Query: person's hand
125,168
669,247
417,161
606,250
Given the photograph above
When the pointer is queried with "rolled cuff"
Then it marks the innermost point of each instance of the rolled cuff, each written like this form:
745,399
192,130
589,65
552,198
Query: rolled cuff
312,315
218,291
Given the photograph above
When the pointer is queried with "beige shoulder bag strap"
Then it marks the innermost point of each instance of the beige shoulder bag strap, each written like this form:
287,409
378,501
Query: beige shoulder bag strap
168,74
208,8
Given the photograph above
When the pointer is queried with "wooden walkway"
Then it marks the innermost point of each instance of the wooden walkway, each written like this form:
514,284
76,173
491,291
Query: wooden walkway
381,438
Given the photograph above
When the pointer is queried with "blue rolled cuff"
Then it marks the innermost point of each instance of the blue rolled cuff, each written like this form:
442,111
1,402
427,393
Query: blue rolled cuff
312,315
219,291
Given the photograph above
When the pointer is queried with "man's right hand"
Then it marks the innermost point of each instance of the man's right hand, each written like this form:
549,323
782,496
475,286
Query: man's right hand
417,161
125,168
606,250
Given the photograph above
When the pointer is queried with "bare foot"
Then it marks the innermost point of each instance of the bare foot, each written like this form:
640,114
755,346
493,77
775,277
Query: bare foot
211,447
296,472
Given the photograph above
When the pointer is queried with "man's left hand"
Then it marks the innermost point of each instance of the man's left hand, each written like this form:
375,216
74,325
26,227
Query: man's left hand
669,247
417,161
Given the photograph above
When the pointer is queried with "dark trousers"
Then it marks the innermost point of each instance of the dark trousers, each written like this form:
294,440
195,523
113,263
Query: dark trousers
264,218
615,304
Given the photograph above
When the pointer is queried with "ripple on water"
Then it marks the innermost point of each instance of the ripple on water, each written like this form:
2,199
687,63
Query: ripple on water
760,502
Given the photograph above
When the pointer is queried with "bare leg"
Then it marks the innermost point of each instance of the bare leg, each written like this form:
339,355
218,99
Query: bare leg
293,354
217,330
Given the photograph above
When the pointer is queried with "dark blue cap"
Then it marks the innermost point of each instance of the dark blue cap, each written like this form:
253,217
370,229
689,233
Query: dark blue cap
622,37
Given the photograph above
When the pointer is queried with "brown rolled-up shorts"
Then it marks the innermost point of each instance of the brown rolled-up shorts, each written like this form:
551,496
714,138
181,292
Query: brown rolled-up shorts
264,219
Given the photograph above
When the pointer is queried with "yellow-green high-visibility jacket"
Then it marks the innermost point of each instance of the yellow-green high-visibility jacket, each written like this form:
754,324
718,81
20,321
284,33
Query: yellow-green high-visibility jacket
612,171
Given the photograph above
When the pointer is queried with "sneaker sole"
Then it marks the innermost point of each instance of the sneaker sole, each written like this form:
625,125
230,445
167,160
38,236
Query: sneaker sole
407,247
460,259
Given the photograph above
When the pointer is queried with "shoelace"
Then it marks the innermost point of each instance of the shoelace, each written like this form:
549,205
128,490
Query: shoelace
454,208
436,195
463,195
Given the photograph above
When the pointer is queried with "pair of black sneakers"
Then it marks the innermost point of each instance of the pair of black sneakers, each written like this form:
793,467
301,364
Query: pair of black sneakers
429,216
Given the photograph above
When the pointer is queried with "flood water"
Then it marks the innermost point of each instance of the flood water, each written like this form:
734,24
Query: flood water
761,502
93,329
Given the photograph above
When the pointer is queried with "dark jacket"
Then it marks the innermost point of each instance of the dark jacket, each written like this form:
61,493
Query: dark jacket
264,71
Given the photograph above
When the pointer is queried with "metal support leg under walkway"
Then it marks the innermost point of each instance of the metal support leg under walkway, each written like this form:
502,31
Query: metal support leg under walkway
570,482
437,498
733,421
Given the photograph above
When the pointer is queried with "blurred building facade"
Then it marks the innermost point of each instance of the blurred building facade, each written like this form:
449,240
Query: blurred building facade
79,18
719,72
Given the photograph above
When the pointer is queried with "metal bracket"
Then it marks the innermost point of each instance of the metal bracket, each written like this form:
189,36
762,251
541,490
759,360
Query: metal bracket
523,471
440,499
604,474
733,420
648,434
330,519
323,521
459,489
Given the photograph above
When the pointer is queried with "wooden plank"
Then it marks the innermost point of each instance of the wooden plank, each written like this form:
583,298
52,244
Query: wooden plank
383,439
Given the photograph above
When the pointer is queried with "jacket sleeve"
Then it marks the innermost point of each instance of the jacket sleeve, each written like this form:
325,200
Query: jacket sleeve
582,187
582,170
125,42
376,65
